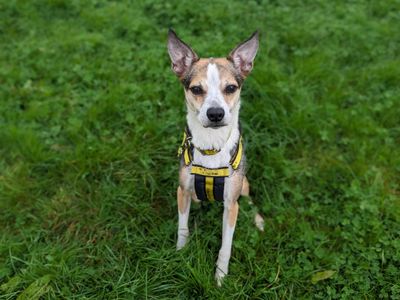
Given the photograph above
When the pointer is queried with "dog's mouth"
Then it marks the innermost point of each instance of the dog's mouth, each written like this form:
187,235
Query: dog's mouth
215,125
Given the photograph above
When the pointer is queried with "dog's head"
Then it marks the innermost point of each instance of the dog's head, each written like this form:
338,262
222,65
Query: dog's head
212,85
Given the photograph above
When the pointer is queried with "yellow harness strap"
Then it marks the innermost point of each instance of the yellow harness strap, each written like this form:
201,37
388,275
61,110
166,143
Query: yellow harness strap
237,157
210,188
208,151
220,172
187,156
185,149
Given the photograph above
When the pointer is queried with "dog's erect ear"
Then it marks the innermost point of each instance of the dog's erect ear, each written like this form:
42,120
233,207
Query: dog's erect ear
182,56
243,55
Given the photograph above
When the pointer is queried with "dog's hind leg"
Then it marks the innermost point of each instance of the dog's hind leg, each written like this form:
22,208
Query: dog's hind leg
245,187
258,219
183,198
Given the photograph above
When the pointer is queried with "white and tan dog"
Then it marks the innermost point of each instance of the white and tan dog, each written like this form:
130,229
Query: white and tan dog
212,155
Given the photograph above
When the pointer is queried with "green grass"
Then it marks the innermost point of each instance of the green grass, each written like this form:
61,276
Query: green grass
91,117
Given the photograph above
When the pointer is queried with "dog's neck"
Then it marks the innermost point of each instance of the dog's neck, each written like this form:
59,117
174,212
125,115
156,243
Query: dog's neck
210,138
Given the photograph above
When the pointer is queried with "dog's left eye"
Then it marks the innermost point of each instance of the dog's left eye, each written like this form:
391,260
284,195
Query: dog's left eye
230,89
196,90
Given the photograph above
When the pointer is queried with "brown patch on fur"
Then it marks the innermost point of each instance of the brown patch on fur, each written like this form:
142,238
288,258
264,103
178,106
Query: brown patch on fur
228,76
197,68
236,184
182,198
196,76
181,202
183,175
233,213
245,187
199,72
228,71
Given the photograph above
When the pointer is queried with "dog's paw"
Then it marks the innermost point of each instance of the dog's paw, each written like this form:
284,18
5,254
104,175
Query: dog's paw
259,222
222,267
182,241
219,277
183,234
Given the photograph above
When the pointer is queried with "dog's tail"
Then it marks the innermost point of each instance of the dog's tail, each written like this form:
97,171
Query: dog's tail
258,219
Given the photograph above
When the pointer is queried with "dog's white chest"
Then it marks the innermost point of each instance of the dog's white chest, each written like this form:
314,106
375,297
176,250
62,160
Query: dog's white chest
220,159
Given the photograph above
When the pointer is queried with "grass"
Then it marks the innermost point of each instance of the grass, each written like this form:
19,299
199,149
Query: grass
91,117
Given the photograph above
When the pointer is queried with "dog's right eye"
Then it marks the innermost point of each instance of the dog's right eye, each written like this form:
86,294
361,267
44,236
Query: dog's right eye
196,90
230,89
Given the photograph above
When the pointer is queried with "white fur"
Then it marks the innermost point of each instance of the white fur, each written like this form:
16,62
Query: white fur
211,138
222,158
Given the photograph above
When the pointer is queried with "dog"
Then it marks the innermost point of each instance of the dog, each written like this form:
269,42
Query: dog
212,155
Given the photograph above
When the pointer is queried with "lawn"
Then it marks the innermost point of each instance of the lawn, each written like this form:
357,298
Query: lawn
91,117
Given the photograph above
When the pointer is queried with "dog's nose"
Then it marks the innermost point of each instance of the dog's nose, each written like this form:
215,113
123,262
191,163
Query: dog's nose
215,114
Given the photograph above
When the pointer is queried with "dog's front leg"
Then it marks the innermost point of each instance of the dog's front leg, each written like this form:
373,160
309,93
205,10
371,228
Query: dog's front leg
183,198
231,210
228,228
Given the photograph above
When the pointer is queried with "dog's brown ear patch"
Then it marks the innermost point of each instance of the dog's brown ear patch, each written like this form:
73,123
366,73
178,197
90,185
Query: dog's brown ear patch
182,56
243,55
